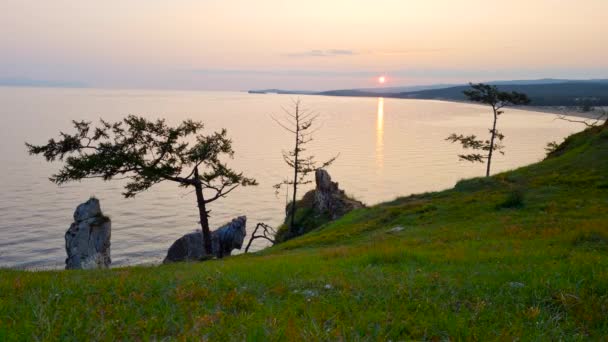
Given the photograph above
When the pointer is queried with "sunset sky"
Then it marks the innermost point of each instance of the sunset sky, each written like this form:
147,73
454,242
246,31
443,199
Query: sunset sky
313,44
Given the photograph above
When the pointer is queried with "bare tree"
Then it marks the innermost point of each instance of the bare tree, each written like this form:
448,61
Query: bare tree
267,233
298,122
489,95
602,115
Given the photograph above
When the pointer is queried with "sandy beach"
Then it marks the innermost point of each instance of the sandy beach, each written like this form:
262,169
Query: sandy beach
569,111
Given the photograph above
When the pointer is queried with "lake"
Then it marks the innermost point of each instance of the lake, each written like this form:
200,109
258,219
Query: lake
388,148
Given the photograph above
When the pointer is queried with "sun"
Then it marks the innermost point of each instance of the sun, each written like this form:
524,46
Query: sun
381,79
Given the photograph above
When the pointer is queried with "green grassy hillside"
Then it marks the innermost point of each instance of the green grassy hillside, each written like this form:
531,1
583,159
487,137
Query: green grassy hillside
523,254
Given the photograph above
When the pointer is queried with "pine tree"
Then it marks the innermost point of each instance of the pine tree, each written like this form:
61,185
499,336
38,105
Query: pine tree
489,95
300,123
146,153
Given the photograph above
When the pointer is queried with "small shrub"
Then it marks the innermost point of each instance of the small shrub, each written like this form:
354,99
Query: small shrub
306,220
555,150
282,234
551,147
602,186
515,199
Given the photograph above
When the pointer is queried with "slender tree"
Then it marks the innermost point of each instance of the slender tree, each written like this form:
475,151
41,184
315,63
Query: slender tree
489,95
299,122
146,153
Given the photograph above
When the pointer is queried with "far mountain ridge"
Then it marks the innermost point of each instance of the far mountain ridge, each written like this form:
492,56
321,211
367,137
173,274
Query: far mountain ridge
542,92
26,82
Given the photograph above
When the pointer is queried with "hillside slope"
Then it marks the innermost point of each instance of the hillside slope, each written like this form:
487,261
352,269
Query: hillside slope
557,94
523,254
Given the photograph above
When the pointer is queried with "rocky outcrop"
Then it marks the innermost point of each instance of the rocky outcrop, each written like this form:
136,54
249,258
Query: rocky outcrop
87,242
325,203
190,247
329,199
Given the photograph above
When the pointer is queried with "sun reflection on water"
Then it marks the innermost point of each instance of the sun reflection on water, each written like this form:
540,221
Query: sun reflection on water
380,134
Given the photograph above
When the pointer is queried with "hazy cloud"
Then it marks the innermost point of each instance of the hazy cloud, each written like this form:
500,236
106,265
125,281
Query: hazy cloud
346,52
287,72
409,52
324,53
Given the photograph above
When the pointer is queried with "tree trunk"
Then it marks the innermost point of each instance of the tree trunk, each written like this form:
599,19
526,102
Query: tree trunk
492,143
295,173
202,212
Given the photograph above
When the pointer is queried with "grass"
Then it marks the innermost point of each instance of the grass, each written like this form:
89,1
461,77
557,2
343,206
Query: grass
521,255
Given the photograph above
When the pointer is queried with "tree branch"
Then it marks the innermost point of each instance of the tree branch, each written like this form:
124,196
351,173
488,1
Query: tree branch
220,193
267,230
584,122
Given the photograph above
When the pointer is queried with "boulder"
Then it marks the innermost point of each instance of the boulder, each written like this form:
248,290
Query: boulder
190,247
87,241
329,199
325,203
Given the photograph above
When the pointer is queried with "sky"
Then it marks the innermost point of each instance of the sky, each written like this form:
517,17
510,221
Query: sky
312,44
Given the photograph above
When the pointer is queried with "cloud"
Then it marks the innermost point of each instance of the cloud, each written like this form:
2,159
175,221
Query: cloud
346,52
324,53
410,52
287,72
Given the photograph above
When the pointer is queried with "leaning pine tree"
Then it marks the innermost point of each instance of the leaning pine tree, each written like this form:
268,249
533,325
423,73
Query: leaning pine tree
146,153
489,95
298,122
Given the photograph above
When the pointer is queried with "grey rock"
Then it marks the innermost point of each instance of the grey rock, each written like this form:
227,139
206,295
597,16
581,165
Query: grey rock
516,285
190,247
87,210
87,241
396,229
310,293
329,199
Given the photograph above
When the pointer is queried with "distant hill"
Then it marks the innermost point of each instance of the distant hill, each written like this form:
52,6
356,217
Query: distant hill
443,86
539,81
569,93
281,91
24,82
542,92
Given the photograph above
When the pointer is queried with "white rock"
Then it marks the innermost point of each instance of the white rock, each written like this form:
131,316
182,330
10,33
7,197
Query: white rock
190,247
87,241
516,285
310,293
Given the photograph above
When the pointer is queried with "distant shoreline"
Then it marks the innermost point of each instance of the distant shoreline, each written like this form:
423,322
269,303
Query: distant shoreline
557,110
560,97
561,110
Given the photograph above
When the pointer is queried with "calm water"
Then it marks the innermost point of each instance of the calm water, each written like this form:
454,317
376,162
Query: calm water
387,147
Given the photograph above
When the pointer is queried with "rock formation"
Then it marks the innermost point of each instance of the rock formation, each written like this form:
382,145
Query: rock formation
329,199
190,247
87,242
323,204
